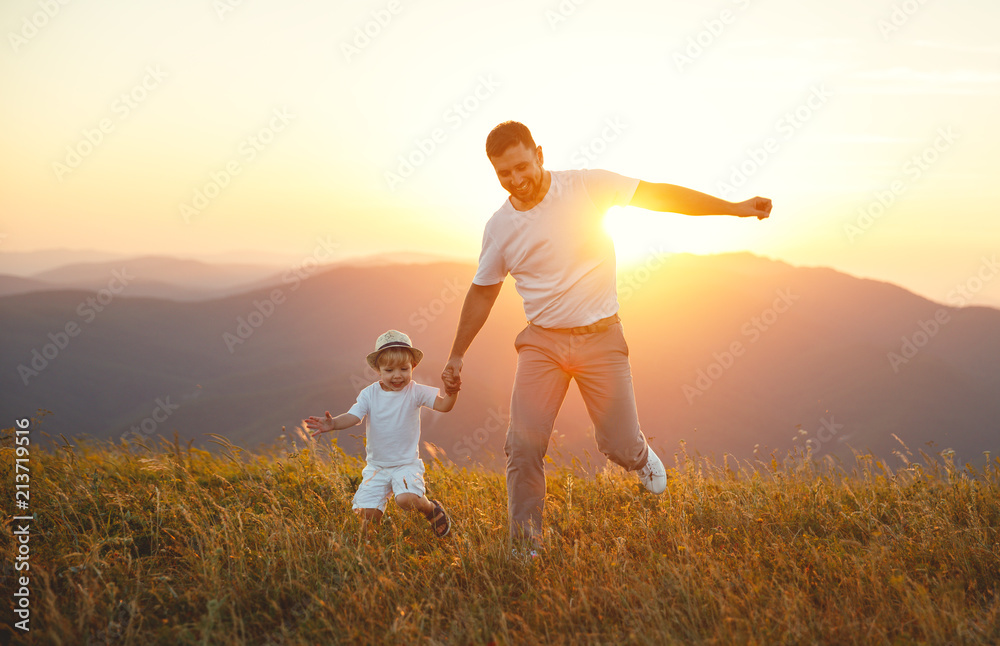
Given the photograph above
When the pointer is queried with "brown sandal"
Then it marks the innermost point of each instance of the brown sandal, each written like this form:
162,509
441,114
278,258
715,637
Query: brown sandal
440,523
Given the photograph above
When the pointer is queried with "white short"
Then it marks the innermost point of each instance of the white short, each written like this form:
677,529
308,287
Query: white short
378,483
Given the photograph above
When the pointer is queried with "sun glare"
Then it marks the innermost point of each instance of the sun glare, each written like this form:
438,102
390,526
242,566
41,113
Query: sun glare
639,234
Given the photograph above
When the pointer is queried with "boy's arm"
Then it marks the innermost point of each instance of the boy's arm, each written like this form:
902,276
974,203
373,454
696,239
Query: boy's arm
686,201
331,423
446,403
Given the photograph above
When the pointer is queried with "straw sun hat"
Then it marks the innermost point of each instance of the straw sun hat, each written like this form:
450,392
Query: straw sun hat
393,339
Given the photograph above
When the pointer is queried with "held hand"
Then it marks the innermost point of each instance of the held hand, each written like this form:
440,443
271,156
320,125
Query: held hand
320,424
755,207
452,375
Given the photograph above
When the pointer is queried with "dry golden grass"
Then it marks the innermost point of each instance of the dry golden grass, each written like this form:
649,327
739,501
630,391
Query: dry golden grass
172,545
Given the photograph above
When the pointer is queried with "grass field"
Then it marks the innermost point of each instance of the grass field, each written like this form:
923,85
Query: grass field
165,544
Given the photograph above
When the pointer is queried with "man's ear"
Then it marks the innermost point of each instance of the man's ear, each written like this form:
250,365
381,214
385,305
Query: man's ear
540,156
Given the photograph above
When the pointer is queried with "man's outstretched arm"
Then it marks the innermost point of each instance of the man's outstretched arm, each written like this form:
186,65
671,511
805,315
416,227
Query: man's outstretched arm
476,309
686,201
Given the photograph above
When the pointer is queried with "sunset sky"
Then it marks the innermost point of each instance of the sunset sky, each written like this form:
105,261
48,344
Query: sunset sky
200,127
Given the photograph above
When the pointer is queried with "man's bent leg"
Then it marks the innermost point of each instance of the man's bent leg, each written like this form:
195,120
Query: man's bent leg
605,379
540,386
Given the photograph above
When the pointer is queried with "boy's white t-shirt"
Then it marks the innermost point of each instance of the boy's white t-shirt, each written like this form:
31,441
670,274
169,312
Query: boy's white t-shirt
393,427
561,258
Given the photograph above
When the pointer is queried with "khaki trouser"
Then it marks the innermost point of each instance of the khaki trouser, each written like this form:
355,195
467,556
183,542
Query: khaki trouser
546,361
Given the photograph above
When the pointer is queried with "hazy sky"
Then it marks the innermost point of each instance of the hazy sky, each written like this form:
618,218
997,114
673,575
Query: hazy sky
203,126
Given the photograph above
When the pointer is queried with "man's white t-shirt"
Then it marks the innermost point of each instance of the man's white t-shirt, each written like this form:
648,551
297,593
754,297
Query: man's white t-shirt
393,428
561,258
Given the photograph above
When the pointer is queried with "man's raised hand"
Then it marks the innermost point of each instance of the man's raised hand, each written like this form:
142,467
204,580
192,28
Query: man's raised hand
755,207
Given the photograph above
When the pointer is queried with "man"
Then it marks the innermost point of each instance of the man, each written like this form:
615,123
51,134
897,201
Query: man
548,235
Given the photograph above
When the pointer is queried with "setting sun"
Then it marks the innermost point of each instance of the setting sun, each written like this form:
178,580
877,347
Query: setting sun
639,234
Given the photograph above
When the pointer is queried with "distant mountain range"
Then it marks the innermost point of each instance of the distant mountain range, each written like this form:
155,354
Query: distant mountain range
164,277
27,263
730,354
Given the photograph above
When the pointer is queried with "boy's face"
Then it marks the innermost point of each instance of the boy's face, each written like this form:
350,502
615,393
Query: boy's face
395,376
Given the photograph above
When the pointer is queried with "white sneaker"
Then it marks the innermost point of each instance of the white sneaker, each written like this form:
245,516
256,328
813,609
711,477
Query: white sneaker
654,475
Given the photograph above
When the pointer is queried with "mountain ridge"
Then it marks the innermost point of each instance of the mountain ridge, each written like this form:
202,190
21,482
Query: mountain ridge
819,363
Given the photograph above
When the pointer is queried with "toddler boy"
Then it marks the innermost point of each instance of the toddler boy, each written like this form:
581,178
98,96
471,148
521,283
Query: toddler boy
392,406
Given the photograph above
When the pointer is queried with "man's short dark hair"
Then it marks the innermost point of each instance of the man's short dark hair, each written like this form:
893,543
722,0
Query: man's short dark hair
507,134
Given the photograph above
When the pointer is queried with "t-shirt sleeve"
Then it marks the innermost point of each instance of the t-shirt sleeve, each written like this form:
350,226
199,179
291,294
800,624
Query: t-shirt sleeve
607,189
425,395
363,406
492,268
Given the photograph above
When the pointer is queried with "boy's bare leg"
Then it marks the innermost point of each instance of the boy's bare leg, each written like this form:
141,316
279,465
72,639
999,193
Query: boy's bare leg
413,502
367,518
433,512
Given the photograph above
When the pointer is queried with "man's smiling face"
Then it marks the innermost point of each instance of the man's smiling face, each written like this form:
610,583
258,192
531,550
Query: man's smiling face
519,169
